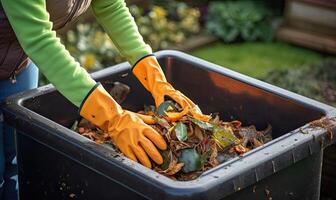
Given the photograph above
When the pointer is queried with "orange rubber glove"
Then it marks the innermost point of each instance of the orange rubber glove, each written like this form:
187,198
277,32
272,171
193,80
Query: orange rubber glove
148,71
129,133
150,74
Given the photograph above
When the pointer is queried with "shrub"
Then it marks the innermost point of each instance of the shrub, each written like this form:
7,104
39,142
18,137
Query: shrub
233,20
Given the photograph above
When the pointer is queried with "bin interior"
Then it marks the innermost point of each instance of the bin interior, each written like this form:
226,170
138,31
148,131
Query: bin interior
213,92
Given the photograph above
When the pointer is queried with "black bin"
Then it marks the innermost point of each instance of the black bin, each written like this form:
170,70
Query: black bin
57,163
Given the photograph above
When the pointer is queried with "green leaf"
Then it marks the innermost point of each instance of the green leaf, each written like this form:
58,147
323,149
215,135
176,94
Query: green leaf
191,159
74,125
181,131
203,125
164,106
166,160
149,108
224,136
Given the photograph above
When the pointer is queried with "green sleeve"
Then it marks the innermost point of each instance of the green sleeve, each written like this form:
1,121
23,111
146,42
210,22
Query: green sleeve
119,24
31,24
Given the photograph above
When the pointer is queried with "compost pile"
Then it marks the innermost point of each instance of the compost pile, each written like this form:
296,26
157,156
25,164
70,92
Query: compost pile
196,142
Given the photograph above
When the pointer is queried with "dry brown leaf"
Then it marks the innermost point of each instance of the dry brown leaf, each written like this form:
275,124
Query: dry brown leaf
198,133
190,130
173,168
216,120
213,157
190,176
255,143
240,149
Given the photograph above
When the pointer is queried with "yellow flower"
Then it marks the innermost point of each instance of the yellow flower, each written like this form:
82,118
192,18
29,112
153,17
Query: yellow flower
194,12
98,39
88,61
159,11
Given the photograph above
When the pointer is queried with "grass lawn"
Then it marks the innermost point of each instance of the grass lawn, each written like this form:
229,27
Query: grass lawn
257,58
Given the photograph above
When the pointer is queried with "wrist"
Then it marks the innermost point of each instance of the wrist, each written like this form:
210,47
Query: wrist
100,108
148,71
142,59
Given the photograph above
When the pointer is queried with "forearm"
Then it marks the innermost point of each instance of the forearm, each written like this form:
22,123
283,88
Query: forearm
119,24
30,22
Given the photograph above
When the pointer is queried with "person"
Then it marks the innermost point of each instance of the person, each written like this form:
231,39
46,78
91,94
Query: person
28,37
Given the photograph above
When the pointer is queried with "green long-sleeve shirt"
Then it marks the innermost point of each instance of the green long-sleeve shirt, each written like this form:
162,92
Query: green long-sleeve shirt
30,22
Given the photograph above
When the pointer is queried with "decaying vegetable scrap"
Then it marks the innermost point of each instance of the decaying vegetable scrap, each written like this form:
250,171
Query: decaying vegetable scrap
196,143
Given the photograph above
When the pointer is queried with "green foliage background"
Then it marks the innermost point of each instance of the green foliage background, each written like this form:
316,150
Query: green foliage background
240,20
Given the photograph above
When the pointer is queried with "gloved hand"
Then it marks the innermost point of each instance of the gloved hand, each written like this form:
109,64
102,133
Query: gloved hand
150,74
129,133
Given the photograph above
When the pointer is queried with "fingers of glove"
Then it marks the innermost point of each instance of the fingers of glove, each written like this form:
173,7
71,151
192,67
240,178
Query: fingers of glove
156,138
127,151
142,156
146,118
178,98
151,150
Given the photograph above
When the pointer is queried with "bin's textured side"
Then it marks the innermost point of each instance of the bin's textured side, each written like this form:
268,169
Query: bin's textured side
306,184
329,173
62,177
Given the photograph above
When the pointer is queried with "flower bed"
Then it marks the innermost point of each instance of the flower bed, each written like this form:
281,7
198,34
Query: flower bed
160,28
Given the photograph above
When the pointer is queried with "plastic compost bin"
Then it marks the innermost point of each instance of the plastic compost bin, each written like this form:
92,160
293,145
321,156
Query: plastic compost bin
57,163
